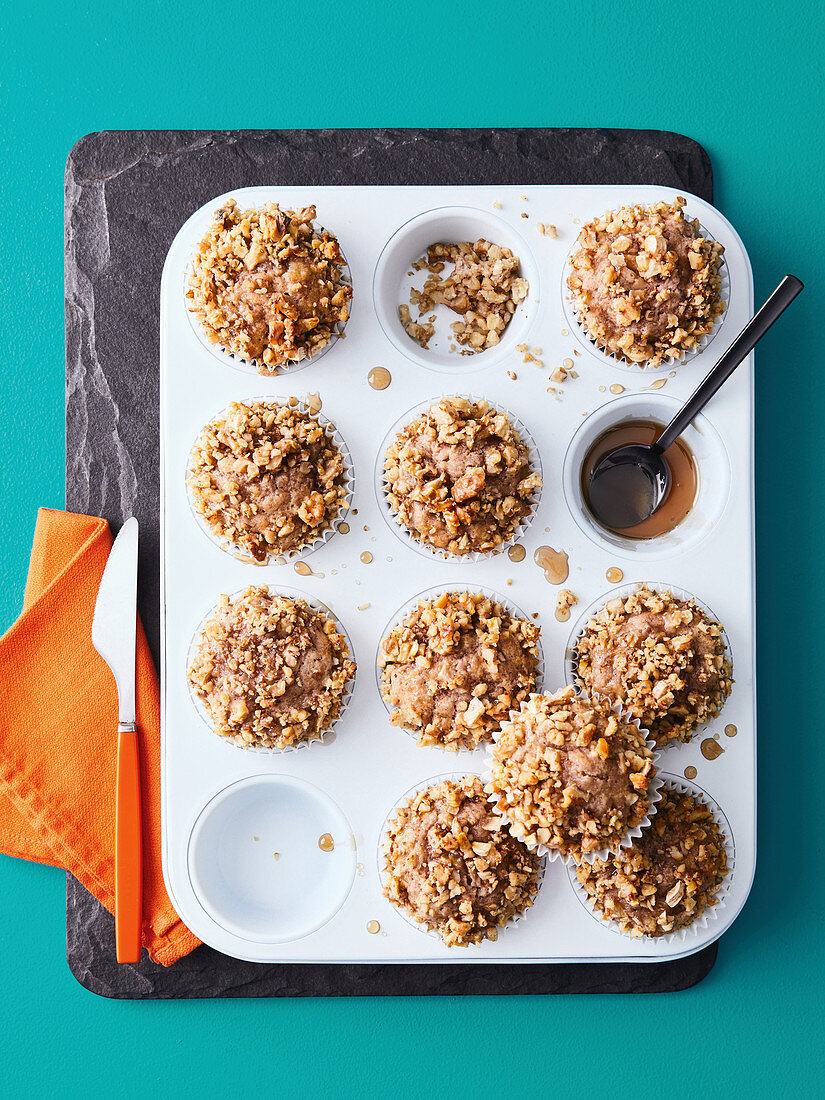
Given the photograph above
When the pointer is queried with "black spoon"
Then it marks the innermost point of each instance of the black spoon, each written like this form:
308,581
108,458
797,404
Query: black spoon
630,483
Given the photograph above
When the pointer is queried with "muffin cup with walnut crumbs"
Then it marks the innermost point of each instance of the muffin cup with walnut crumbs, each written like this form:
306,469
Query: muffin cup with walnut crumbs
659,653
573,777
269,479
453,662
646,286
267,287
449,865
270,670
459,478
674,880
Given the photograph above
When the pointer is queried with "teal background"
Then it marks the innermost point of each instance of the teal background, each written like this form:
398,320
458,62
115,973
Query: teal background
747,84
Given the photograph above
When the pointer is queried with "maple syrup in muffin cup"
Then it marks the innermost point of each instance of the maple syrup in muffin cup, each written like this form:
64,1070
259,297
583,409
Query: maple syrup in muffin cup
326,736
621,592
711,468
591,344
333,435
393,280
382,487
553,855
431,594
254,862
383,875
256,367
711,912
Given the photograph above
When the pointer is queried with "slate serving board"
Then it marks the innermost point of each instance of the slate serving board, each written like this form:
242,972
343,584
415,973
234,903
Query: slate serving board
126,196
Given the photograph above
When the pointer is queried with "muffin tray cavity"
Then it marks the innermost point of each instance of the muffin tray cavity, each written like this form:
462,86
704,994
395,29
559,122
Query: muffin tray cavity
270,855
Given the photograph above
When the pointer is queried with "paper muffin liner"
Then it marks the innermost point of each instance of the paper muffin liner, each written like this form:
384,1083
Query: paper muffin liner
279,557
653,791
402,532
711,913
591,344
325,736
430,594
622,591
419,926
251,366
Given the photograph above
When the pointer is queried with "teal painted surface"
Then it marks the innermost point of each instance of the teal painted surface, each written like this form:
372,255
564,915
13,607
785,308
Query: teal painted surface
750,89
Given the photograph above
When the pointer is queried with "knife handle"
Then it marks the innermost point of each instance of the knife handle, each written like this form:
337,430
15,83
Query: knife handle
128,849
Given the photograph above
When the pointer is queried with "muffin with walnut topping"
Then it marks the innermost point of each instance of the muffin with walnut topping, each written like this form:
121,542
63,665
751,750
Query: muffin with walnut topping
269,670
451,864
267,478
645,283
455,666
269,286
668,877
458,477
661,657
570,774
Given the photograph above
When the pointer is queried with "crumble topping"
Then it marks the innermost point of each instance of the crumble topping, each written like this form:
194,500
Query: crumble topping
270,670
458,477
455,667
451,864
661,658
267,478
484,288
645,283
267,285
670,875
570,774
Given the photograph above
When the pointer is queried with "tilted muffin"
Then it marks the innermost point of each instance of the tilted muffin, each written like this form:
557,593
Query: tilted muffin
458,477
455,666
669,876
570,774
661,657
270,671
267,478
645,283
451,864
267,285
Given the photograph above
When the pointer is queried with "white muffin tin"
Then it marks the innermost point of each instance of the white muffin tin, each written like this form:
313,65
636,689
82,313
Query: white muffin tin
227,812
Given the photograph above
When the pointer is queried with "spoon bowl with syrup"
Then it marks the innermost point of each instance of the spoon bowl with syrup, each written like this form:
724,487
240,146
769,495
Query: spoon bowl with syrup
630,483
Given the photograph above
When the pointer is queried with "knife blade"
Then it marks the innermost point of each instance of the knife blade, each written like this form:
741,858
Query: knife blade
113,635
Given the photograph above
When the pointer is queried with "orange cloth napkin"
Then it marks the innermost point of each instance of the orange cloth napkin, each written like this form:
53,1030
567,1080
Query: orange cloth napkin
58,730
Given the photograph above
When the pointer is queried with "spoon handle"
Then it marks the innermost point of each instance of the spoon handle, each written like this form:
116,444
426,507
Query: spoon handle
742,346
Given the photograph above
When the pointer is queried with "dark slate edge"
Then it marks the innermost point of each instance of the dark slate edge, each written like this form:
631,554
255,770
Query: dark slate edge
126,194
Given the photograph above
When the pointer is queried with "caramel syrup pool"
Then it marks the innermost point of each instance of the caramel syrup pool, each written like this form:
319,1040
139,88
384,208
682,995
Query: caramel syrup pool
680,462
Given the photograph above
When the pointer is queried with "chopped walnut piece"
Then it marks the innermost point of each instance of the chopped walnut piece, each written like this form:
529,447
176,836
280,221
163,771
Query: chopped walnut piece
458,477
268,286
661,657
267,478
644,282
451,864
484,288
454,668
270,670
670,874
556,784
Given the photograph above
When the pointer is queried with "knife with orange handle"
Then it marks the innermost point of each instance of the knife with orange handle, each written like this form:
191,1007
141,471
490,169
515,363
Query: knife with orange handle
113,636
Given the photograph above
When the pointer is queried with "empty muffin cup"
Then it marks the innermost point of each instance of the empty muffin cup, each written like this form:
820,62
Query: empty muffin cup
271,858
